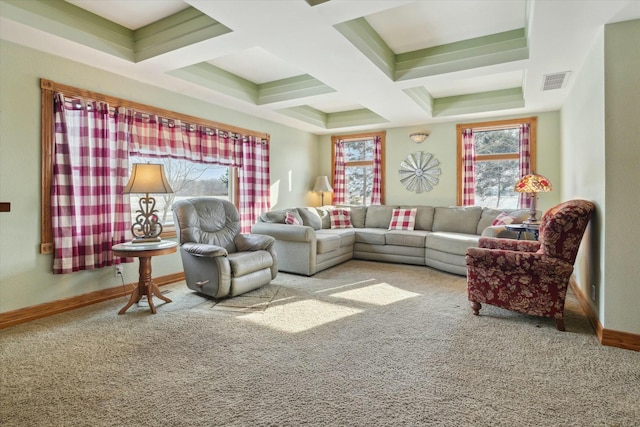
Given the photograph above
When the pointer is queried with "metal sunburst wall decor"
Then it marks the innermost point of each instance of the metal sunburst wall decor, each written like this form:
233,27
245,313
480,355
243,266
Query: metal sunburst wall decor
419,171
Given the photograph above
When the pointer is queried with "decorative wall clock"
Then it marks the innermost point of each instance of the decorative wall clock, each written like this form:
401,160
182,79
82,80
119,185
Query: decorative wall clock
419,171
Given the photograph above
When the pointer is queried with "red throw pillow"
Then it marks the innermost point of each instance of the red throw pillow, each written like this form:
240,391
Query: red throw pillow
503,219
340,218
291,219
403,219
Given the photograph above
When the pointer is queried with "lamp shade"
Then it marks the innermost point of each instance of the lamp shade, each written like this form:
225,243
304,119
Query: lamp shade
322,185
419,137
147,178
533,183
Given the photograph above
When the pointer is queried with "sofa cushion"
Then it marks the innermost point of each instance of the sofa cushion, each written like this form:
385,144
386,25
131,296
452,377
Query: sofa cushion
503,219
375,236
347,235
292,218
358,214
340,218
489,215
323,212
453,243
274,216
327,243
413,238
403,219
310,217
457,219
379,216
424,217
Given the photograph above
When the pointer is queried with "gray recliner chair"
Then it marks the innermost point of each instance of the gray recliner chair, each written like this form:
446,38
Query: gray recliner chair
218,261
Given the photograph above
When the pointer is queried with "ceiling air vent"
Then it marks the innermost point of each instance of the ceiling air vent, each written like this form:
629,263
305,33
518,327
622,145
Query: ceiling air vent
554,81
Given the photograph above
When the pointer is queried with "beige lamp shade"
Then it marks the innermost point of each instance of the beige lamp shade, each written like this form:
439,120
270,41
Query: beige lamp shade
147,178
322,185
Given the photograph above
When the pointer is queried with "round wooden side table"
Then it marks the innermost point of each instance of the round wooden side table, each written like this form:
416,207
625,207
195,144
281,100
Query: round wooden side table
146,285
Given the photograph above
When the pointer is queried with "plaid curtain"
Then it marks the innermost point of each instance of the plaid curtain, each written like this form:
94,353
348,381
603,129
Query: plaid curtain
90,171
524,162
255,181
376,192
156,137
205,145
468,168
339,175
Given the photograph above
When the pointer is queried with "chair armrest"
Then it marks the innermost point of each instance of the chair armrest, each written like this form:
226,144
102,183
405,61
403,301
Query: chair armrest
509,244
285,232
253,242
204,250
517,262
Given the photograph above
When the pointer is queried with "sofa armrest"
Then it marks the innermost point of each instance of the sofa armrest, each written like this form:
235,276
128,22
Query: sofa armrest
204,250
509,244
253,242
285,232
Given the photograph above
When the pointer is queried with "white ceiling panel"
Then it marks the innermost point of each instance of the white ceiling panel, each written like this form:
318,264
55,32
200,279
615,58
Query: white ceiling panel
132,14
474,85
256,65
437,22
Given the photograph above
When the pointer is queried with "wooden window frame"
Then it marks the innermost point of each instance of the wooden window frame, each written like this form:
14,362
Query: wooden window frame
493,125
358,137
48,89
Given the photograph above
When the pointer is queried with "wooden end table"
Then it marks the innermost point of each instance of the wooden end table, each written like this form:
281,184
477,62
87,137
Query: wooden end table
146,285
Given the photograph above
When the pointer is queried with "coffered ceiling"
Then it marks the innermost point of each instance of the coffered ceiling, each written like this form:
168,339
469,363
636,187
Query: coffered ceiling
332,66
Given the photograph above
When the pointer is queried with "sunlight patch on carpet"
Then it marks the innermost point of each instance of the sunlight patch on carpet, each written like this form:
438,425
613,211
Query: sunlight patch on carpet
378,294
300,316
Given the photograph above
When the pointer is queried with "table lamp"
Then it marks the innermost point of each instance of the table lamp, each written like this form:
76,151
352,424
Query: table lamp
322,186
147,178
532,184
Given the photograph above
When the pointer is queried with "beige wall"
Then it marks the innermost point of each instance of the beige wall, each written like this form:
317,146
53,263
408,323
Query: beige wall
25,277
583,171
442,144
601,155
622,172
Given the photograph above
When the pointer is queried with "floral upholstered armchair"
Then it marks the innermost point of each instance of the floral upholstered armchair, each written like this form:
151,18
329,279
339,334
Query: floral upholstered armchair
526,276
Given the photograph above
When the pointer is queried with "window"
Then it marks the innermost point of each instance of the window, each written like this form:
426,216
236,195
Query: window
359,156
497,154
248,184
187,179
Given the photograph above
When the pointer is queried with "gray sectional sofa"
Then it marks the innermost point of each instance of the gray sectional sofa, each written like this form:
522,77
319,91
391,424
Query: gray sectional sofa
440,237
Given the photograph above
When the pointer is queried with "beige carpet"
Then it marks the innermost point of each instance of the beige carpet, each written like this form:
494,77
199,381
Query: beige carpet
362,344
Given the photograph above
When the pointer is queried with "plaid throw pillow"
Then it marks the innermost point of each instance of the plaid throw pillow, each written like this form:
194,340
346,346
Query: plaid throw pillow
403,219
503,219
291,219
340,218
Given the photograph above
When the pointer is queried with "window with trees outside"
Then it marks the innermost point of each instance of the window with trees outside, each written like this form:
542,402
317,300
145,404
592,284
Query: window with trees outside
497,163
187,179
359,153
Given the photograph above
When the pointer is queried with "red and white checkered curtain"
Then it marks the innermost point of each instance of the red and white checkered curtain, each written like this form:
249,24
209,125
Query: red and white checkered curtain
468,168
524,161
255,181
156,137
339,175
90,171
376,191
206,145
